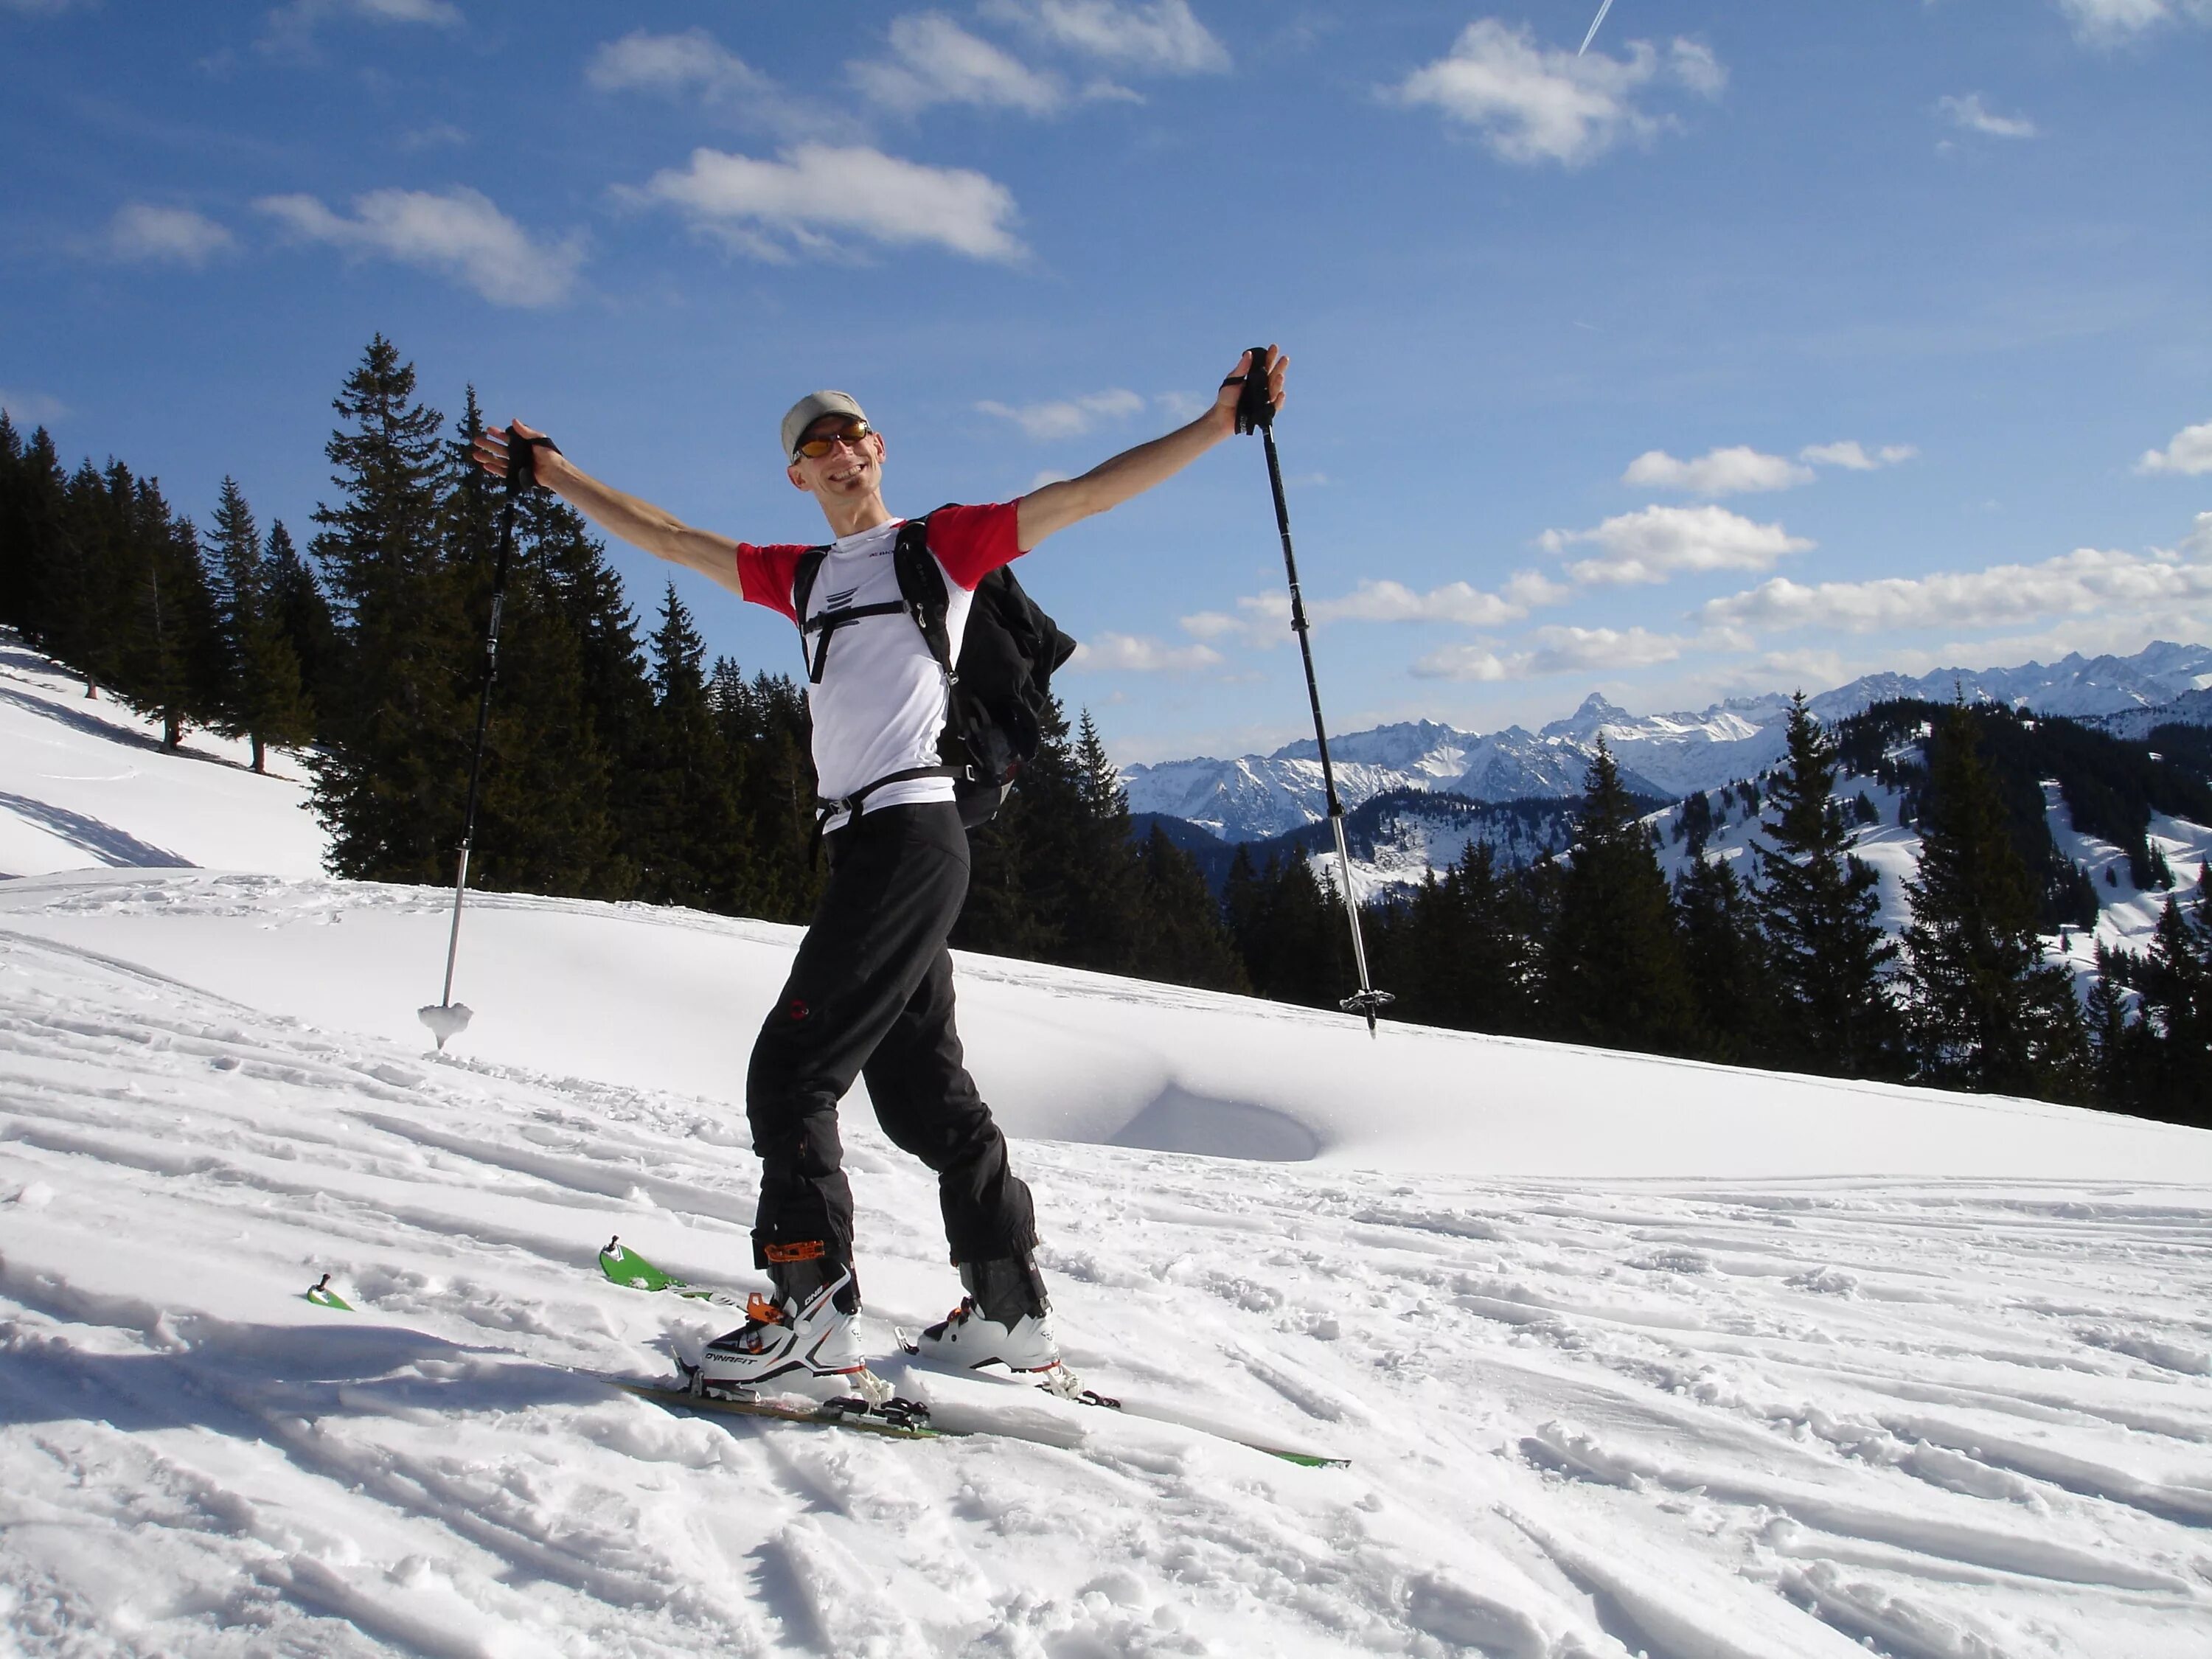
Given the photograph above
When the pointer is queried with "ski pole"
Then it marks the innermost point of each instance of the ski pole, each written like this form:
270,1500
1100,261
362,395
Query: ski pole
447,1018
1256,412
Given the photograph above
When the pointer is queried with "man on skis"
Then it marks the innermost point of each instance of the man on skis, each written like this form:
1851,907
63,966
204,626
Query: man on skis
870,992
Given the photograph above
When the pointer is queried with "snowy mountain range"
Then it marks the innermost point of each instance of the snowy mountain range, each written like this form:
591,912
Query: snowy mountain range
1257,796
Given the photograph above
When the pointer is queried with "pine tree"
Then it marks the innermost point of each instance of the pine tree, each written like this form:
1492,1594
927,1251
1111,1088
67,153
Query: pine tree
2173,1072
693,850
543,822
169,657
1729,966
1984,1011
766,721
262,699
303,617
1616,975
1181,940
390,781
1103,885
1821,907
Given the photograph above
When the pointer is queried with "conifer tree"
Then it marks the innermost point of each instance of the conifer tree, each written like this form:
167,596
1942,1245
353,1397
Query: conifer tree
1616,975
262,699
1984,1010
390,781
691,841
1182,939
1103,886
302,616
168,658
543,819
1822,910
1726,954
2173,1069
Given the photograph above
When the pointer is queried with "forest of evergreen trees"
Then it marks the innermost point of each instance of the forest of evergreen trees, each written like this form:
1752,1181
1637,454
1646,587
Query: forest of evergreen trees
621,765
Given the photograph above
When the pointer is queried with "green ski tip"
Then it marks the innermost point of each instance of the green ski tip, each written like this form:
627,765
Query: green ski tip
625,1266
323,1296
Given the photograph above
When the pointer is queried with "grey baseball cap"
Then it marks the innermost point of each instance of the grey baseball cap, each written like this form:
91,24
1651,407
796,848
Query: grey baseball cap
812,408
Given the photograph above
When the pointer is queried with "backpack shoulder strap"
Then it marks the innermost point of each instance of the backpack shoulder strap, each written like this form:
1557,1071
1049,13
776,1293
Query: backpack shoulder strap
921,584
802,582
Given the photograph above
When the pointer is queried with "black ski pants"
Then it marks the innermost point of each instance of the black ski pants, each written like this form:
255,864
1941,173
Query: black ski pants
871,994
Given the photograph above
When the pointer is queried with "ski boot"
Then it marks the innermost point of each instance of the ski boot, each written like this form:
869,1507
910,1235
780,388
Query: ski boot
802,1342
1004,1320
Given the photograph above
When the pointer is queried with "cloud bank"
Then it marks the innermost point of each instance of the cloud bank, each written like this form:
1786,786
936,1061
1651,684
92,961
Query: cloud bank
460,233
814,193
1532,104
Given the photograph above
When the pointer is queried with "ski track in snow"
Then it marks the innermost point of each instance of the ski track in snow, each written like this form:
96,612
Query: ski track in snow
1927,1417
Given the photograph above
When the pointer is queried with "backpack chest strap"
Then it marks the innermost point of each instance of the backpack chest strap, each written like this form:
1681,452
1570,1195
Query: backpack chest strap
828,621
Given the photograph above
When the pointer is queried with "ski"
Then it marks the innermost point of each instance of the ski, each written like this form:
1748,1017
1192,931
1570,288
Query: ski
897,1419
626,1267
1312,1460
622,1266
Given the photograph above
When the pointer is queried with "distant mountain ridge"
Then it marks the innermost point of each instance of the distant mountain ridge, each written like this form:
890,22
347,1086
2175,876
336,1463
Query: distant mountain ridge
1255,797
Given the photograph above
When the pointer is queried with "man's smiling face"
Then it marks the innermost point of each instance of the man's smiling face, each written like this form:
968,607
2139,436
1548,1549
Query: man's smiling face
851,471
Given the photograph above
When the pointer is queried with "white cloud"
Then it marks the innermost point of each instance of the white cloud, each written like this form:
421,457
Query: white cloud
1069,418
461,233
2079,584
1133,653
292,28
1261,620
1660,542
1559,650
1969,114
1570,650
1741,470
1532,103
2114,22
140,231
1393,602
1853,456
935,60
2189,454
1461,662
1734,472
437,136
692,62
818,192
29,408
1145,34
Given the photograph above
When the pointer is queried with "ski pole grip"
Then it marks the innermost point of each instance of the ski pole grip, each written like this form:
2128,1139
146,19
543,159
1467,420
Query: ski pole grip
1256,409
522,459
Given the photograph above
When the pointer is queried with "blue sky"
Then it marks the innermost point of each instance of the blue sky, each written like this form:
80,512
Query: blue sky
1760,346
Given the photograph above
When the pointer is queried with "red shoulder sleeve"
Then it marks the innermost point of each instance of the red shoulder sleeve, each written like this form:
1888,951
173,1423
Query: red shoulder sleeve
971,542
764,574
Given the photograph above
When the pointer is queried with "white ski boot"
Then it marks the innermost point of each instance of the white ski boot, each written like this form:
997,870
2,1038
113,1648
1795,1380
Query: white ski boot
806,1348
1004,1320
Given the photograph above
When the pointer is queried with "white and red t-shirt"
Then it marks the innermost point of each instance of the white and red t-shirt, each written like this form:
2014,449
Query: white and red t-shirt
880,704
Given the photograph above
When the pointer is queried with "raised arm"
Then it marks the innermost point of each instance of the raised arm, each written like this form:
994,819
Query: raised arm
1133,471
639,523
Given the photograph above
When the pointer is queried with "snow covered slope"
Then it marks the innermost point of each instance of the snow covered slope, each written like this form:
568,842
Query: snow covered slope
1629,1356
85,782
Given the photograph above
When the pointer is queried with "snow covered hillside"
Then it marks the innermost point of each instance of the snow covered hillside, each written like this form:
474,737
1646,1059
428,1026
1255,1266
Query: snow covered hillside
1255,797
85,782
1629,1355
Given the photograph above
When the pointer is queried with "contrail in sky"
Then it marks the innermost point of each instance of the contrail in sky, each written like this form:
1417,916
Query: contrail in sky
1595,21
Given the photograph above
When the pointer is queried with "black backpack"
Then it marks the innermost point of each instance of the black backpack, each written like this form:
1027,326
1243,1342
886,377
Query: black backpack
998,690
